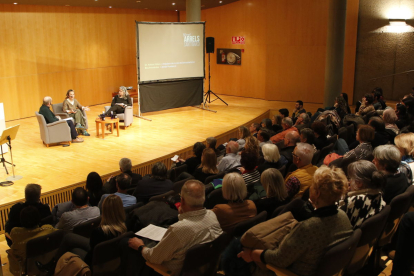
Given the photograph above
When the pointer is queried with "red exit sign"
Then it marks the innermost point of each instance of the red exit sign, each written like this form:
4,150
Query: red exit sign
238,40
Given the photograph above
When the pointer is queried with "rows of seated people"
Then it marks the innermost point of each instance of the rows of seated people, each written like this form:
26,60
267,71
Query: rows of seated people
344,167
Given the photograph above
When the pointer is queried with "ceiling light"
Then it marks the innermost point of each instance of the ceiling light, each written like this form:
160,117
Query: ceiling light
67,5
110,7
173,4
220,2
15,3
138,1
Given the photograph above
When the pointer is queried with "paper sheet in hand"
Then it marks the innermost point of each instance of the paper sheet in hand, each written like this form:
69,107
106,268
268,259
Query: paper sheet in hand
152,232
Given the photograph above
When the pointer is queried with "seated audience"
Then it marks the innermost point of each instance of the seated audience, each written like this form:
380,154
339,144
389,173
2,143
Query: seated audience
345,96
298,110
94,188
308,136
252,145
211,144
387,159
364,198
123,182
249,161
237,209
232,159
390,118
27,230
366,107
381,136
277,123
303,121
272,158
120,102
276,194
321,140
263,136
287,125
254,128
125,166
284,112
194,161
378,103
290,142
405,143
365,134
32,196
408,101
243,133
82,212
267,124
208,166
196,225
300,180
341,107
154,184
74,109
401,112
50,117
303,248
112,225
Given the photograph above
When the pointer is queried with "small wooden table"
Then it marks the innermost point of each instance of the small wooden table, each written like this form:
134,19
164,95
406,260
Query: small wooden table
108,120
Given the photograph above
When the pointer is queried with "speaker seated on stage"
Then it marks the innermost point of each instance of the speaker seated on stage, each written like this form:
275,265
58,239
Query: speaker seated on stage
74,109
50,118
125,166
120,102
32,196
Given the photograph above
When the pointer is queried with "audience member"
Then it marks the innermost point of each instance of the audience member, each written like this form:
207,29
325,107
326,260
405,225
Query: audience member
267,124
290,142
364,198
321,140
232,159
366,106
194,161
303,248
243,133
123,182
307,136
284,112
303,121
390,118
405,143
381,137
277,123
287,125
249,161
94,188
211,144
50,117
254,128
208,166
154,184
196,225
300,180
32,196
27,230
341,107
401,112
125,166
276,194
365,134
263,137
272,158
378,103
298,110
238,208
252,145
387,159
345,96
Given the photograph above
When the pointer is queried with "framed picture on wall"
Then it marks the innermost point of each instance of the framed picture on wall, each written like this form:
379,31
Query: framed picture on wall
229,56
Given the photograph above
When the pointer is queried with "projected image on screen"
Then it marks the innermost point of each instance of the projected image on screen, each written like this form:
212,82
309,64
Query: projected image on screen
170,51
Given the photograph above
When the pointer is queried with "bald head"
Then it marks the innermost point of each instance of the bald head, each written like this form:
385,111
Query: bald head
47,100
193,194
292,138
232,147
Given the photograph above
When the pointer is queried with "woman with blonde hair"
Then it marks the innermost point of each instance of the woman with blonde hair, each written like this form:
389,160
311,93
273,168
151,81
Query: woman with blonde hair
208,166
276,194
243,133
252,145
272,158
303,248
405,144
237,209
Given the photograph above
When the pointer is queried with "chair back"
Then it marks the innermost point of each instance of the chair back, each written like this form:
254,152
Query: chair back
176,171
202,259
243,226
399,206
214,198
132,207
58,108
371,230
42,249
336,258
107,256
315,157
162,197
282,170
212,177
295,204
179,184
325,151
42,126
85,229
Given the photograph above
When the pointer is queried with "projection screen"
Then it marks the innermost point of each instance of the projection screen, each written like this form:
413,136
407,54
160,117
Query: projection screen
170,51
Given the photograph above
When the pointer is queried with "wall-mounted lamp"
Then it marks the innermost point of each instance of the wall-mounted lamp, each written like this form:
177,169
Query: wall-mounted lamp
397,22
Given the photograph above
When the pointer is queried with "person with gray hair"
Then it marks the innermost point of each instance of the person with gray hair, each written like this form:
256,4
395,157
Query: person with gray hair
272,158
237,209
50,117
300,180
364,198
387,159
290,141
125,166
287,125
302,122
120,102
195,225
232,159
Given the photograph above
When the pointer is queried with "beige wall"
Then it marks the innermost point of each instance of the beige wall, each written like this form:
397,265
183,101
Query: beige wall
46,50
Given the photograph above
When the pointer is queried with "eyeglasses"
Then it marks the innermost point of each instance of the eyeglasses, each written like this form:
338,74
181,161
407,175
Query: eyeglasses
294,155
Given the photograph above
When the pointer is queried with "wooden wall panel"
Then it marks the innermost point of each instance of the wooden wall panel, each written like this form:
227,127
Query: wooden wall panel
46,50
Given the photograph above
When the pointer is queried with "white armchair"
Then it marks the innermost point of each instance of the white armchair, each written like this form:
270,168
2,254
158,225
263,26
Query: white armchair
53,133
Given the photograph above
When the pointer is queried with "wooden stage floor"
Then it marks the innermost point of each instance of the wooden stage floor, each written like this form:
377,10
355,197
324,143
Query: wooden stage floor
168,132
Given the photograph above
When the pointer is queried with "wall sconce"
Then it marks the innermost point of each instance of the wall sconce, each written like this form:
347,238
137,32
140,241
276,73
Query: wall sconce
398,22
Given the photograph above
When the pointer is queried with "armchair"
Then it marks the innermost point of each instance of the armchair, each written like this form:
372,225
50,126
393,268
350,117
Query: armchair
53,133
126,117
58,110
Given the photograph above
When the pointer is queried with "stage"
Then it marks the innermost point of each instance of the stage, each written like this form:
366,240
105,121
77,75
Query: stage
60,169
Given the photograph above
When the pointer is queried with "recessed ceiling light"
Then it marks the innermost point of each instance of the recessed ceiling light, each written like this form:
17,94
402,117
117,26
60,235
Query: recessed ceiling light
173,4
110,7
220,2
176,10
67,5
15,3
138,1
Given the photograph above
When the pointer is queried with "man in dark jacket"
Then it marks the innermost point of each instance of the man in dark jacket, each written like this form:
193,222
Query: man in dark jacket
125,166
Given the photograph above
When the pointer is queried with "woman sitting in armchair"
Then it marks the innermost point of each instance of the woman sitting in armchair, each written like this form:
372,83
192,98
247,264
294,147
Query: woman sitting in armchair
120,102
74,110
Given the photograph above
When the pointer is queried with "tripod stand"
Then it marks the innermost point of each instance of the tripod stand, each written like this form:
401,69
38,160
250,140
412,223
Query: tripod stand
8,135
207,94
3,161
